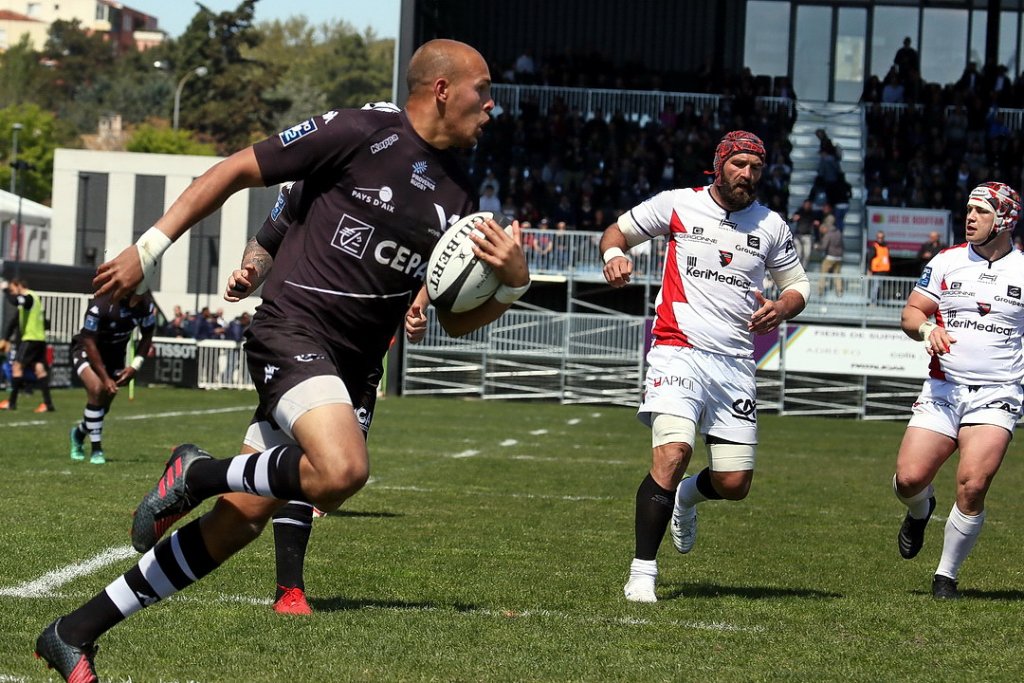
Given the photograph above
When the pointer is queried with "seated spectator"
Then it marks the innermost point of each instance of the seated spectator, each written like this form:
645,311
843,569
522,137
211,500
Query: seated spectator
489,200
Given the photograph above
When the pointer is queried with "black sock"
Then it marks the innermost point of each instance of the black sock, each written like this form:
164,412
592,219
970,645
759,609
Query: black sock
44,385
17,384
166,573
280,471
705,487
653,512
292,526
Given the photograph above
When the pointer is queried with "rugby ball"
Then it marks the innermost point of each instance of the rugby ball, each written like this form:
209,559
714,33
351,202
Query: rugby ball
457,280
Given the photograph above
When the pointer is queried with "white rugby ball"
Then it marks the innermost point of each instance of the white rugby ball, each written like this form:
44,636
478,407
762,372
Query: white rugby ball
457,280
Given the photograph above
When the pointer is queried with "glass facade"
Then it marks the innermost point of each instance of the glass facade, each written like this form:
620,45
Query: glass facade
830,48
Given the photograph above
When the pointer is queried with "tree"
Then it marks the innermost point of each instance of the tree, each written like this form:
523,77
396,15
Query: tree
223,106
40,134
74,58
164,140
22,77
324,66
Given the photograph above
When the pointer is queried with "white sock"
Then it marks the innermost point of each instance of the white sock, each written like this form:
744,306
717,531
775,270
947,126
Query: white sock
687,494
643,568
917,504
961,534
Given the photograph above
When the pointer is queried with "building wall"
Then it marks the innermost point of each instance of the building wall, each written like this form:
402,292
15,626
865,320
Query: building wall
11,31
108,194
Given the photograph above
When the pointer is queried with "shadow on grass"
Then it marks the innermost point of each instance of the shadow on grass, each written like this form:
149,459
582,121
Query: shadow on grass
972,594
711,590
356,513
347,604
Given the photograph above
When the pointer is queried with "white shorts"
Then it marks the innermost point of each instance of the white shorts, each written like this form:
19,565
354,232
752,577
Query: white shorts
944,407
717,392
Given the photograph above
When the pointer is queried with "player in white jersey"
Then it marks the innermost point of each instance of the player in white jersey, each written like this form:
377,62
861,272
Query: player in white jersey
973,399
701,367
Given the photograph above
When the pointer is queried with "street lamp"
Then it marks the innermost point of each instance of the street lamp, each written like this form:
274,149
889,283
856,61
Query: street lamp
15,128
198,71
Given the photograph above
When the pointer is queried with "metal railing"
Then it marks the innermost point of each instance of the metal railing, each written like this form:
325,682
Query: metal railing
1011,118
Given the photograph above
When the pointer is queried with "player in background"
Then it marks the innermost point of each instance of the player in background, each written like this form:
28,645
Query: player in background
293,523
972,399
379,190
98,356
701,365
31,351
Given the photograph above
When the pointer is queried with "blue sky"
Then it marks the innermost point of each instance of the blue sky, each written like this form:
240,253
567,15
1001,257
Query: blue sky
380,15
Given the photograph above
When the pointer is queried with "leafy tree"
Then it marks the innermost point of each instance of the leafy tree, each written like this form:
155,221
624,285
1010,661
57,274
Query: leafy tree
75,58
324,66
40,134
165,140
22,77
228,106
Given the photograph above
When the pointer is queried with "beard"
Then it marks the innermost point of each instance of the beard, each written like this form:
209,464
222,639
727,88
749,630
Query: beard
736,196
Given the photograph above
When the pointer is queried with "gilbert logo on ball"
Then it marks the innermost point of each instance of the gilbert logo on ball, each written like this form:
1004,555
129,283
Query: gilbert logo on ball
457,280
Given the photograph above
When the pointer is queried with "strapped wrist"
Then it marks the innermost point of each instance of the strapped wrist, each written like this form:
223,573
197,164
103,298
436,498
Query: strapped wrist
151,247
612,252
509,295
925,329
137,363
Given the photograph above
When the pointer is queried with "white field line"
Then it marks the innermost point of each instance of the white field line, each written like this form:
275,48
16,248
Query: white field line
51,581
148,416
464,454
493,494
719,626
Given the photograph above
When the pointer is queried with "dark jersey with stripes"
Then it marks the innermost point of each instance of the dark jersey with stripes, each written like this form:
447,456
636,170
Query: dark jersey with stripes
355,235
110,323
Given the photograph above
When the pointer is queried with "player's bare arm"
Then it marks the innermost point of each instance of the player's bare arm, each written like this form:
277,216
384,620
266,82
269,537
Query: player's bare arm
416,318
504,253
125,272
256,264
916,323
617,267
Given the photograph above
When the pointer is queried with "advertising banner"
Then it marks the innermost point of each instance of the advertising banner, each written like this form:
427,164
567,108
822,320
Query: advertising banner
855,351
905,229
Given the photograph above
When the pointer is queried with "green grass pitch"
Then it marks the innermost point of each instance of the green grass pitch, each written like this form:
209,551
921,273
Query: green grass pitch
492,544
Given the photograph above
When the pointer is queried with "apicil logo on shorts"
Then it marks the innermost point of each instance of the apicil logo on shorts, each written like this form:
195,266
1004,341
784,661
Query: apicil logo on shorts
297,132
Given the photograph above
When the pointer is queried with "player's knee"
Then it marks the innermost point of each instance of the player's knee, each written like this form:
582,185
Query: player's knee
972,490
733,485
343,480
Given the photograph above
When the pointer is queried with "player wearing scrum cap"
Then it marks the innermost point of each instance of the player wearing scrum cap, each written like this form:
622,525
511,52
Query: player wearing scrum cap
972,399
721,242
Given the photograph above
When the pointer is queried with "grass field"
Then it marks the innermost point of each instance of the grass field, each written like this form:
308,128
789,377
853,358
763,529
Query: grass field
492,544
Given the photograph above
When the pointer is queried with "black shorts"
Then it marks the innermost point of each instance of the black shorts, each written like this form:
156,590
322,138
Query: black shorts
31,352
281,356
113,360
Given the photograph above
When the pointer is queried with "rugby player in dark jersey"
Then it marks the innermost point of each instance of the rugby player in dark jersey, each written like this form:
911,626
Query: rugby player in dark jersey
379,189
98,356
293,523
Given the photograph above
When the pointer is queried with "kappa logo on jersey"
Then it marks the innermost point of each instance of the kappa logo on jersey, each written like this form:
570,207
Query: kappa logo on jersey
419,178
984,308
268,372
724,257
309,357
926,277
745,409
329,116
384,144
1013,290
297,132
753,241
352,236
988,277
381,201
